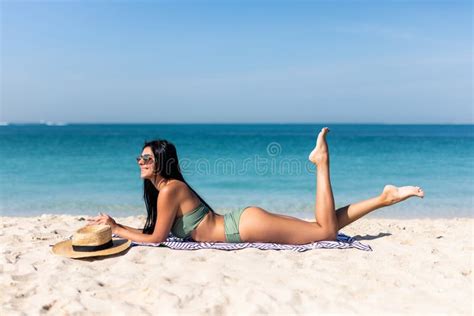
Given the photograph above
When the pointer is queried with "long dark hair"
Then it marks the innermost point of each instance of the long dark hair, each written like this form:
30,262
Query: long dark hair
167,166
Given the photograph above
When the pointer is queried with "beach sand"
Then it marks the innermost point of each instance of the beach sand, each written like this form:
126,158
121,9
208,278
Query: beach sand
416,267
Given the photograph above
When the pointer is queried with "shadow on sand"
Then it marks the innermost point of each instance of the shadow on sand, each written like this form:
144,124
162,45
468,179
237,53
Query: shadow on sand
90,259
371,237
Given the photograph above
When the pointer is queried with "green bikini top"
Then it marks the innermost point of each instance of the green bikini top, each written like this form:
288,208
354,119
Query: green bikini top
184,225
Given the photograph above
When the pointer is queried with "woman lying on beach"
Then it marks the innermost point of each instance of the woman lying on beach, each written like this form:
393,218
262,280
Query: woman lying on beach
172,205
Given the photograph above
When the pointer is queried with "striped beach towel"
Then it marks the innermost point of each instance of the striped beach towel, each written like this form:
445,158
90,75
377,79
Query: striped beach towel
343,242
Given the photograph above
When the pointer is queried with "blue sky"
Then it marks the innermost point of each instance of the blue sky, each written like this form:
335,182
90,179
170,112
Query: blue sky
237,61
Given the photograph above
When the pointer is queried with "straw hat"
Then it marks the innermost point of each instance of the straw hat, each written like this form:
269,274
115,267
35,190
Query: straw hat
91,241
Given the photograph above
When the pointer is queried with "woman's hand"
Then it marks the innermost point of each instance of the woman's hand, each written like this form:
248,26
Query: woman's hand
103,219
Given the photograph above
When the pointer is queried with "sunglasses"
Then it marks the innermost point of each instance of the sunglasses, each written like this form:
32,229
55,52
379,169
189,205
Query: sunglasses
147,158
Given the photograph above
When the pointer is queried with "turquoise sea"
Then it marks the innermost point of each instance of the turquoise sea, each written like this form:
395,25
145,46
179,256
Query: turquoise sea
83,169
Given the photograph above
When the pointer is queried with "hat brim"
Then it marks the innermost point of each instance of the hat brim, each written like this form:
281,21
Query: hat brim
64,248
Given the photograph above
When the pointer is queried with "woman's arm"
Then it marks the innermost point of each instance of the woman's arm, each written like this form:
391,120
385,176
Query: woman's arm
134,235
121,230
96,220
135,230
168,206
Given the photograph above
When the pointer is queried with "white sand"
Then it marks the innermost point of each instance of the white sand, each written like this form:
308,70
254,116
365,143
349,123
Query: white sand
417,267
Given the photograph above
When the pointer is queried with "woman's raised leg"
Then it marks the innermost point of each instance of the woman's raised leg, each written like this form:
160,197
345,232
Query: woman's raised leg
256,224
390,195
324,212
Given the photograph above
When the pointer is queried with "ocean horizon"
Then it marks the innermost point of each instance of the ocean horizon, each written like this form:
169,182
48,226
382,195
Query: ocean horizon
84,168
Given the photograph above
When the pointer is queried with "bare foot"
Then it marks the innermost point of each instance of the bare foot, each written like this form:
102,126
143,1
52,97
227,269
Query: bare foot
392,194
320,155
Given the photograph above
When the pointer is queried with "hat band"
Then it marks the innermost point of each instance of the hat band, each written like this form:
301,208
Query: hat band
93,248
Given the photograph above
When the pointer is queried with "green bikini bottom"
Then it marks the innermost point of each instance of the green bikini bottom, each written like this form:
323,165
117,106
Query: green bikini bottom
231,225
